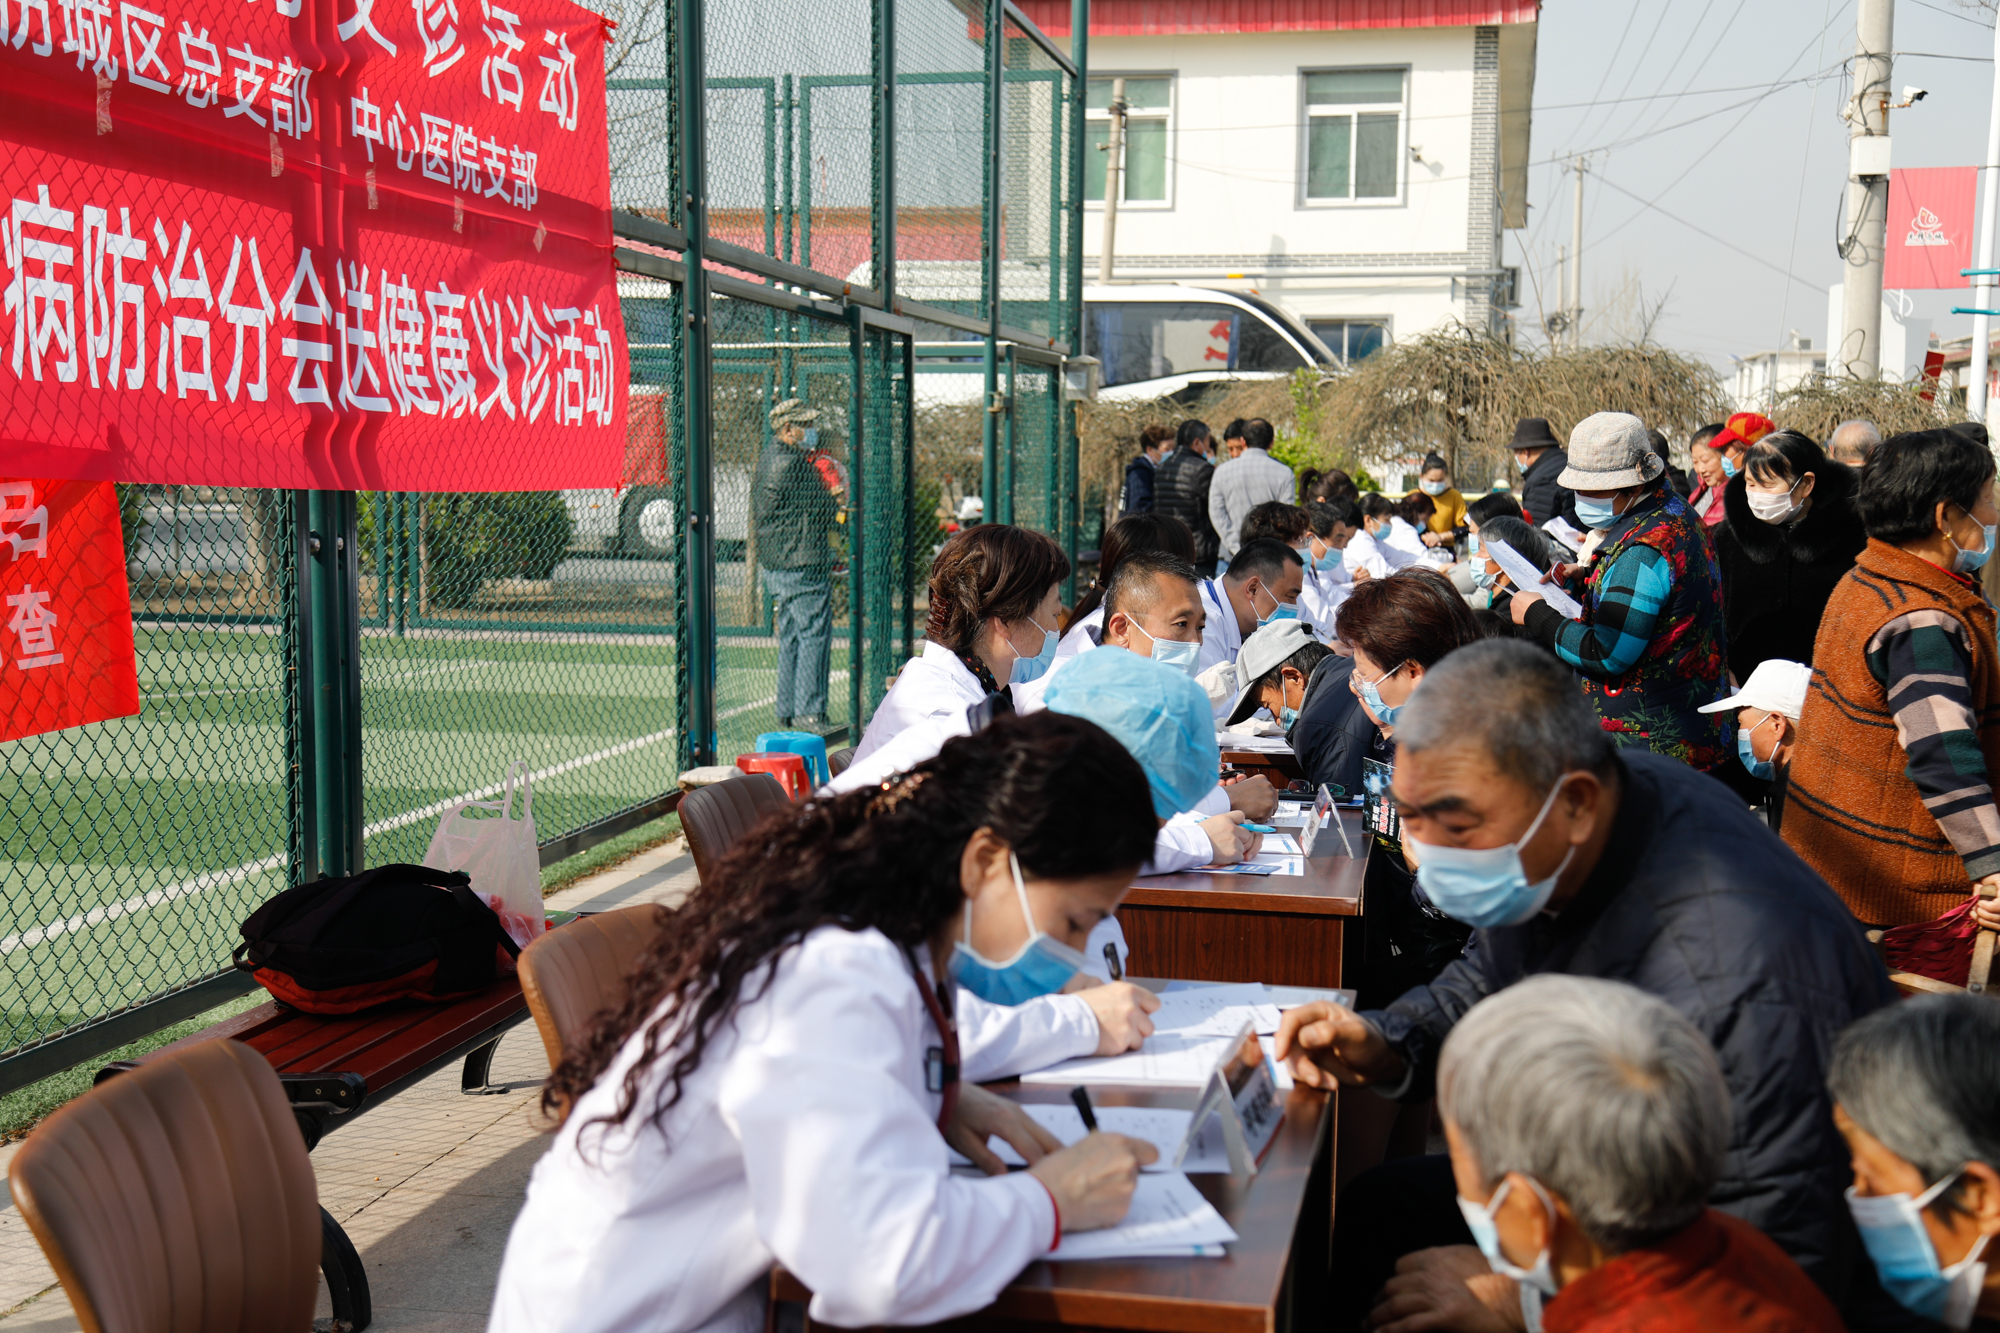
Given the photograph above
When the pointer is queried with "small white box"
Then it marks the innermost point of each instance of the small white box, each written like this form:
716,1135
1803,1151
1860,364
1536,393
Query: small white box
1868,156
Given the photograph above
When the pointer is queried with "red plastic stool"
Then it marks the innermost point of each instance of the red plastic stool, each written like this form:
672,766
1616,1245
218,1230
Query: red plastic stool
788,769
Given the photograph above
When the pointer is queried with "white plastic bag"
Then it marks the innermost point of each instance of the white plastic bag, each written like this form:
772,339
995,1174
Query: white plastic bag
499,853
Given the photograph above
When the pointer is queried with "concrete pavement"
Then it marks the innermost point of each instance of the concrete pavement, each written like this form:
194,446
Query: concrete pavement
427,1185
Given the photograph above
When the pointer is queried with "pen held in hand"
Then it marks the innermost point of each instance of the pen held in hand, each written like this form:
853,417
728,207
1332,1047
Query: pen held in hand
1112,966
1081,1096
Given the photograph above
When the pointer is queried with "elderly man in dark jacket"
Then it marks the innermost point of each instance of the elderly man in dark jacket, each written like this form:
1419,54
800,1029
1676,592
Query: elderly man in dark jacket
794,506
1571,856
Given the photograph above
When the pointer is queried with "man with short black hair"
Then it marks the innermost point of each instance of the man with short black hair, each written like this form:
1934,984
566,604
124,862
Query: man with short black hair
1569,855
1277,520
1242,484
1180,490
1261,585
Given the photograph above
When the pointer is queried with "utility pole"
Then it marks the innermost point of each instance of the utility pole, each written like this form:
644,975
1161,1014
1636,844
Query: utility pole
1576,264
1860,350
1113,179
1982,282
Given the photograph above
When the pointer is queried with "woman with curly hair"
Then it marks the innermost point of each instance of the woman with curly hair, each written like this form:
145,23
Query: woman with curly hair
781,1082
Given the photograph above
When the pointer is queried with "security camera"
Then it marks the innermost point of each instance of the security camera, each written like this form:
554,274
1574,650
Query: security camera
1911,96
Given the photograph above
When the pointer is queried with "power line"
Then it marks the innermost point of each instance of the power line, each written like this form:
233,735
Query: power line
1602,179
1798,208
1951,13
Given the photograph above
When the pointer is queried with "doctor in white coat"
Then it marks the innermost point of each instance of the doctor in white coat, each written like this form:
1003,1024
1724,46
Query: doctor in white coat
782,1082
1379,548
992,623
1335,523
1261,585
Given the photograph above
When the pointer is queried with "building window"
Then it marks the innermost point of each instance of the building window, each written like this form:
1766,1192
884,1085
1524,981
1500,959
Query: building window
1354,134
1148,117
1351,339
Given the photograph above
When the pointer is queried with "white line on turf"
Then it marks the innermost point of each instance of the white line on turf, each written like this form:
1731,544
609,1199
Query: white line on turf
97,916
366,681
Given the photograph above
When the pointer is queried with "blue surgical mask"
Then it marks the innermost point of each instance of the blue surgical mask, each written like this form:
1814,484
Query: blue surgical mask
1279,610
1472,543
811,441
1536,1281
1034,668
1487,886
1305,554
1171,652
1729,469
1964,561
1433,488
1595,515
1759,768
1892,1231
1484,577
1385,713
1288,717
1041,966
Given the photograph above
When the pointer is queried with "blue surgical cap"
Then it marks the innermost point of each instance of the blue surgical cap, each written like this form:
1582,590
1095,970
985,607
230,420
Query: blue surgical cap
1157,712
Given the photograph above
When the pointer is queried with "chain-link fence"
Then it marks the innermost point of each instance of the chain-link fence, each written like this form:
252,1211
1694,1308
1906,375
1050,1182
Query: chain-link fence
847,288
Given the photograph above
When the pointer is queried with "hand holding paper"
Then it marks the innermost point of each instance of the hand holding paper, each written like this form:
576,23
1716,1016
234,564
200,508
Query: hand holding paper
1529,580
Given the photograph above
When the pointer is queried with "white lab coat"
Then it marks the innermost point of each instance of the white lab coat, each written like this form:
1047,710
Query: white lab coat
1221,639
1378,555
1404,538
806,1138
1320,598
934,684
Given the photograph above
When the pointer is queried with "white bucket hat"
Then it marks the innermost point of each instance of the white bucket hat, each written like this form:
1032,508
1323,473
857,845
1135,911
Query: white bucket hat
1609,451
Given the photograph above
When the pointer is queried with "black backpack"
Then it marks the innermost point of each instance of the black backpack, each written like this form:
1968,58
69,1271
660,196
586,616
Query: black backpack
336,946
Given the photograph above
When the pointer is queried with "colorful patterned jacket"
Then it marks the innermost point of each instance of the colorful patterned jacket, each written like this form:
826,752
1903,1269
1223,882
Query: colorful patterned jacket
1651,648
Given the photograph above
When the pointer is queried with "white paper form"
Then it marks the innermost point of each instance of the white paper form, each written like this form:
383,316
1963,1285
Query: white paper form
1216,1010
1169,1059
1168,1217
1281,844
1529,579
1162,1126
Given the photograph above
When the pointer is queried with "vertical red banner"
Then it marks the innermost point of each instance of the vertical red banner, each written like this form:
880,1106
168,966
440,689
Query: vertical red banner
66,654
1930,227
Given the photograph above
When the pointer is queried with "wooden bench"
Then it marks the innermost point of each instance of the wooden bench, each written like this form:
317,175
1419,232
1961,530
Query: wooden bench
336,1068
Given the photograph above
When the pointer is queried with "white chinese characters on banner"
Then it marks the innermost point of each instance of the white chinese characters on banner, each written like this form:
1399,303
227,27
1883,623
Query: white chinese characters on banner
357,338
24,527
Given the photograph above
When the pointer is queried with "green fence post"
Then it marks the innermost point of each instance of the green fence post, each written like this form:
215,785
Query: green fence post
329,690
698,570
990,243
1079,54
1007,398
858,492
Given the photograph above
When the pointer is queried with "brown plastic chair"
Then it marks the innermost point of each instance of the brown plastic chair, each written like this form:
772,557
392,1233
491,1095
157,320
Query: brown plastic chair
715,817
838,761
575,971
178,1196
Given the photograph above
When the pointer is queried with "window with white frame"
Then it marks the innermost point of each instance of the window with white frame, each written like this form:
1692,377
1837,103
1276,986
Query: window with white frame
1148,123
1353,134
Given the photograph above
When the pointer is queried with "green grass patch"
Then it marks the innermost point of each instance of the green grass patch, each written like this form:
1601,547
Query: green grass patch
20,1109
605,855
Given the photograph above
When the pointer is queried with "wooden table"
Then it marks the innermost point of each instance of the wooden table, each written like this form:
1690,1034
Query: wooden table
1289,930
1280,768
1283,1216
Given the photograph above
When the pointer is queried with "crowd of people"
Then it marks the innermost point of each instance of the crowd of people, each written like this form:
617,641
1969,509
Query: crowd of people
1665,772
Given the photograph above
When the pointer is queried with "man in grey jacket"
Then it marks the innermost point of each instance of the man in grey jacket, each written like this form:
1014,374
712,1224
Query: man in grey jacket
1242,484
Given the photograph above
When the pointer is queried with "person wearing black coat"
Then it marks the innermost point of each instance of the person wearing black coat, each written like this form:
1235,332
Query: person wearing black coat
1661,879
1333,732
1180,490
1777,576
1137,497
1541,458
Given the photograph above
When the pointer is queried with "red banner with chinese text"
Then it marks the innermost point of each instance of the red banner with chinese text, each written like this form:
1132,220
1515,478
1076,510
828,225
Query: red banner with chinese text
1930,227
65,611
348,244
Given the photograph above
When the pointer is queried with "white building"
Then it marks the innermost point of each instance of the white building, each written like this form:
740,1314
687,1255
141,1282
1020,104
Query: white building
1355,160
1762,376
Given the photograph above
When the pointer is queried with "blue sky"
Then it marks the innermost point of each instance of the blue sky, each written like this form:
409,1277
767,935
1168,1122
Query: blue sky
1726,115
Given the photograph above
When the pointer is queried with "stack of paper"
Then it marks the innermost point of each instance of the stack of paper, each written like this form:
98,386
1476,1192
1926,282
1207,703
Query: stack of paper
1526,578
1192,1030
1168,1219
1217,1011
1162,1126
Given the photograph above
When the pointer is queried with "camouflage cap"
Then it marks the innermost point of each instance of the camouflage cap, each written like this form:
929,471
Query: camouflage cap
793,412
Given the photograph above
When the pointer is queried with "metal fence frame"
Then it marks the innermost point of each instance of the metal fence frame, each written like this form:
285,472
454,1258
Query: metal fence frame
320,573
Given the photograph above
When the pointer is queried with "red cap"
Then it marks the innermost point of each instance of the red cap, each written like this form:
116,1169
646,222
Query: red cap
1745,428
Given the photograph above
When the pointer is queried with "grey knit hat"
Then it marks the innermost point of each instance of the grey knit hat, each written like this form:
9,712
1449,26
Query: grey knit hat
1609,451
